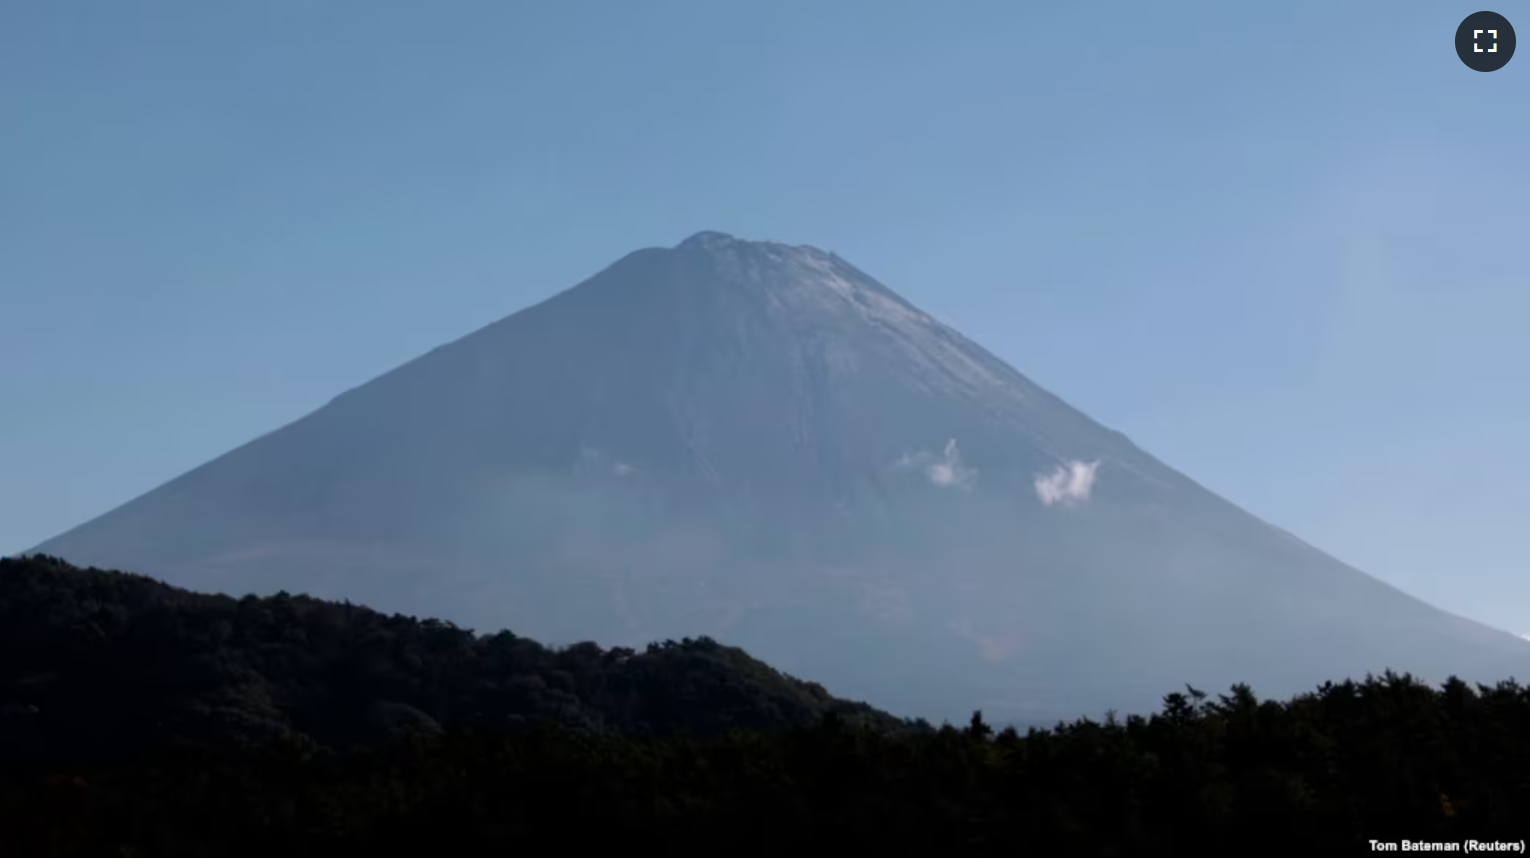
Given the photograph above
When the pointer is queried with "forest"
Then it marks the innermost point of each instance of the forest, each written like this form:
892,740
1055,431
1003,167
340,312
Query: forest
137,719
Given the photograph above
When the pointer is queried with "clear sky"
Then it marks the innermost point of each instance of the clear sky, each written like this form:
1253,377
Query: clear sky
1280,245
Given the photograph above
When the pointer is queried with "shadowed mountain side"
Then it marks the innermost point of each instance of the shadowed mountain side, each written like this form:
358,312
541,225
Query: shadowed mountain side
760,442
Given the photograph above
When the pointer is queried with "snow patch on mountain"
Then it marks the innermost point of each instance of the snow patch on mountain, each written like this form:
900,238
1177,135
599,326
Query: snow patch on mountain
801,282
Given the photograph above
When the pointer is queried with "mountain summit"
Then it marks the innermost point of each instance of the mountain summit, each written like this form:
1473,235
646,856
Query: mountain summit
762,443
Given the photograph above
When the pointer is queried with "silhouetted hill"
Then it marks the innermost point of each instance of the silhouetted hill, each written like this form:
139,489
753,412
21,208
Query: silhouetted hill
141,720
101,665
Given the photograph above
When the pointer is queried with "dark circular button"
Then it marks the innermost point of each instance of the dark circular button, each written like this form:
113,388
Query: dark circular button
1485,41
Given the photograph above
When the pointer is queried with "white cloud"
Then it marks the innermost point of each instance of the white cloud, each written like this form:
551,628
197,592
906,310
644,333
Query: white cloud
1068,484
944,470
622,469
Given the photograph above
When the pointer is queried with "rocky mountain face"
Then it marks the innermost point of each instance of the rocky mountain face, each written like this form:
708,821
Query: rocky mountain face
761,443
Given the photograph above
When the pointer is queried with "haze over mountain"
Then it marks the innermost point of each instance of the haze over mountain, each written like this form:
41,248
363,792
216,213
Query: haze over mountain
761,443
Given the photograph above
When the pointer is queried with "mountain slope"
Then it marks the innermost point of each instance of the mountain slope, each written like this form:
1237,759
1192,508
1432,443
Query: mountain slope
761,442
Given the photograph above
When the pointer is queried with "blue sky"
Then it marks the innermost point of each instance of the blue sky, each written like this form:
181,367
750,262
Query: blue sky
1279,245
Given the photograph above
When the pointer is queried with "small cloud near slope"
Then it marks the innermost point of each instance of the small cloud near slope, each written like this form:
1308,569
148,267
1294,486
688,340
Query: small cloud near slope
1067,484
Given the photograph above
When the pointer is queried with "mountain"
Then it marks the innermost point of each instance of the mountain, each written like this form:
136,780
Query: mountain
761,443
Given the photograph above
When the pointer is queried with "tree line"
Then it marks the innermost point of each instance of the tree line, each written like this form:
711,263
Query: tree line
138,719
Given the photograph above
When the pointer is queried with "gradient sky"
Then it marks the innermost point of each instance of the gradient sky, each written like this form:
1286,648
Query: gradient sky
1282,245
